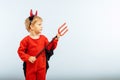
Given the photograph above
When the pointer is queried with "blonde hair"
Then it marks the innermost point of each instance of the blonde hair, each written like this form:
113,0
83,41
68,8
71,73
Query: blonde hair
28,22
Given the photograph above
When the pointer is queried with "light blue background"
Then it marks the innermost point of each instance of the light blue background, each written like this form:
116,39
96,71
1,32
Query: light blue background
91,48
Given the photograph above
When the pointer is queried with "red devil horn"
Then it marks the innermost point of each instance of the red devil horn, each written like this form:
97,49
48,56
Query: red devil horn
31,13
36,13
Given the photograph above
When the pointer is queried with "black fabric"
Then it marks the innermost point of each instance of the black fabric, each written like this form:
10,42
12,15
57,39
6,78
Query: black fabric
49,53
24,68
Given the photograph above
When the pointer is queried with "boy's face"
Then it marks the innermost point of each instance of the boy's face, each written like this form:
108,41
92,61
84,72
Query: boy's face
37,27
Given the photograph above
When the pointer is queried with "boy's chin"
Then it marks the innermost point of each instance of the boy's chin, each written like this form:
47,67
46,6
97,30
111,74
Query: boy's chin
39,33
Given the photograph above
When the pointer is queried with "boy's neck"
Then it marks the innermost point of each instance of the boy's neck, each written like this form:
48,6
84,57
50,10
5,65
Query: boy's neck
34,36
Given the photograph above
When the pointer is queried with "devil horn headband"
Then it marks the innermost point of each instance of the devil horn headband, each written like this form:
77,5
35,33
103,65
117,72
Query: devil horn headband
32,15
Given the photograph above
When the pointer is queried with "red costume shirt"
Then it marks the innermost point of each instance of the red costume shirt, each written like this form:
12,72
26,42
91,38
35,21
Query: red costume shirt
31,47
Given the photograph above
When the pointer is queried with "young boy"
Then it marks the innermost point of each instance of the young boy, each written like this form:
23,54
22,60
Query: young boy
31,45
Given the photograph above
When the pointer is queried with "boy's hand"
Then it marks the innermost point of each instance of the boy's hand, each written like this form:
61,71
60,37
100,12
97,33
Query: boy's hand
32,59
58,36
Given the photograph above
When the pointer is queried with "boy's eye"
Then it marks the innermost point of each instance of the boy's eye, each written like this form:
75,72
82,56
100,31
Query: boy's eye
39,24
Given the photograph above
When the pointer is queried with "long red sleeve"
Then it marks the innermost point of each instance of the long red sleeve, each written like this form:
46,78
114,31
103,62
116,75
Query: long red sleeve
53,44
22,50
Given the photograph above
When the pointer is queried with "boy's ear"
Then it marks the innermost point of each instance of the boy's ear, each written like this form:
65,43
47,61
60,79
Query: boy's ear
31,27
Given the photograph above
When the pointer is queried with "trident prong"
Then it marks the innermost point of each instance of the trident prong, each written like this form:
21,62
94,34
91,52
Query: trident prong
62,29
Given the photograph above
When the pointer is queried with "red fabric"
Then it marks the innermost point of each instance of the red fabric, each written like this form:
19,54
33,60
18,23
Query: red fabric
31,47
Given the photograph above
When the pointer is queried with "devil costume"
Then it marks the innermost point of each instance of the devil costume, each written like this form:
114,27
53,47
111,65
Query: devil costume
31,47
48,54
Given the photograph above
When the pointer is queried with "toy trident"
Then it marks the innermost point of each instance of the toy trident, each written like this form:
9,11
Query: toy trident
61,31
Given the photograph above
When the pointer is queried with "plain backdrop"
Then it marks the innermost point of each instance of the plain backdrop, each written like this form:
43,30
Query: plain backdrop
90,49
